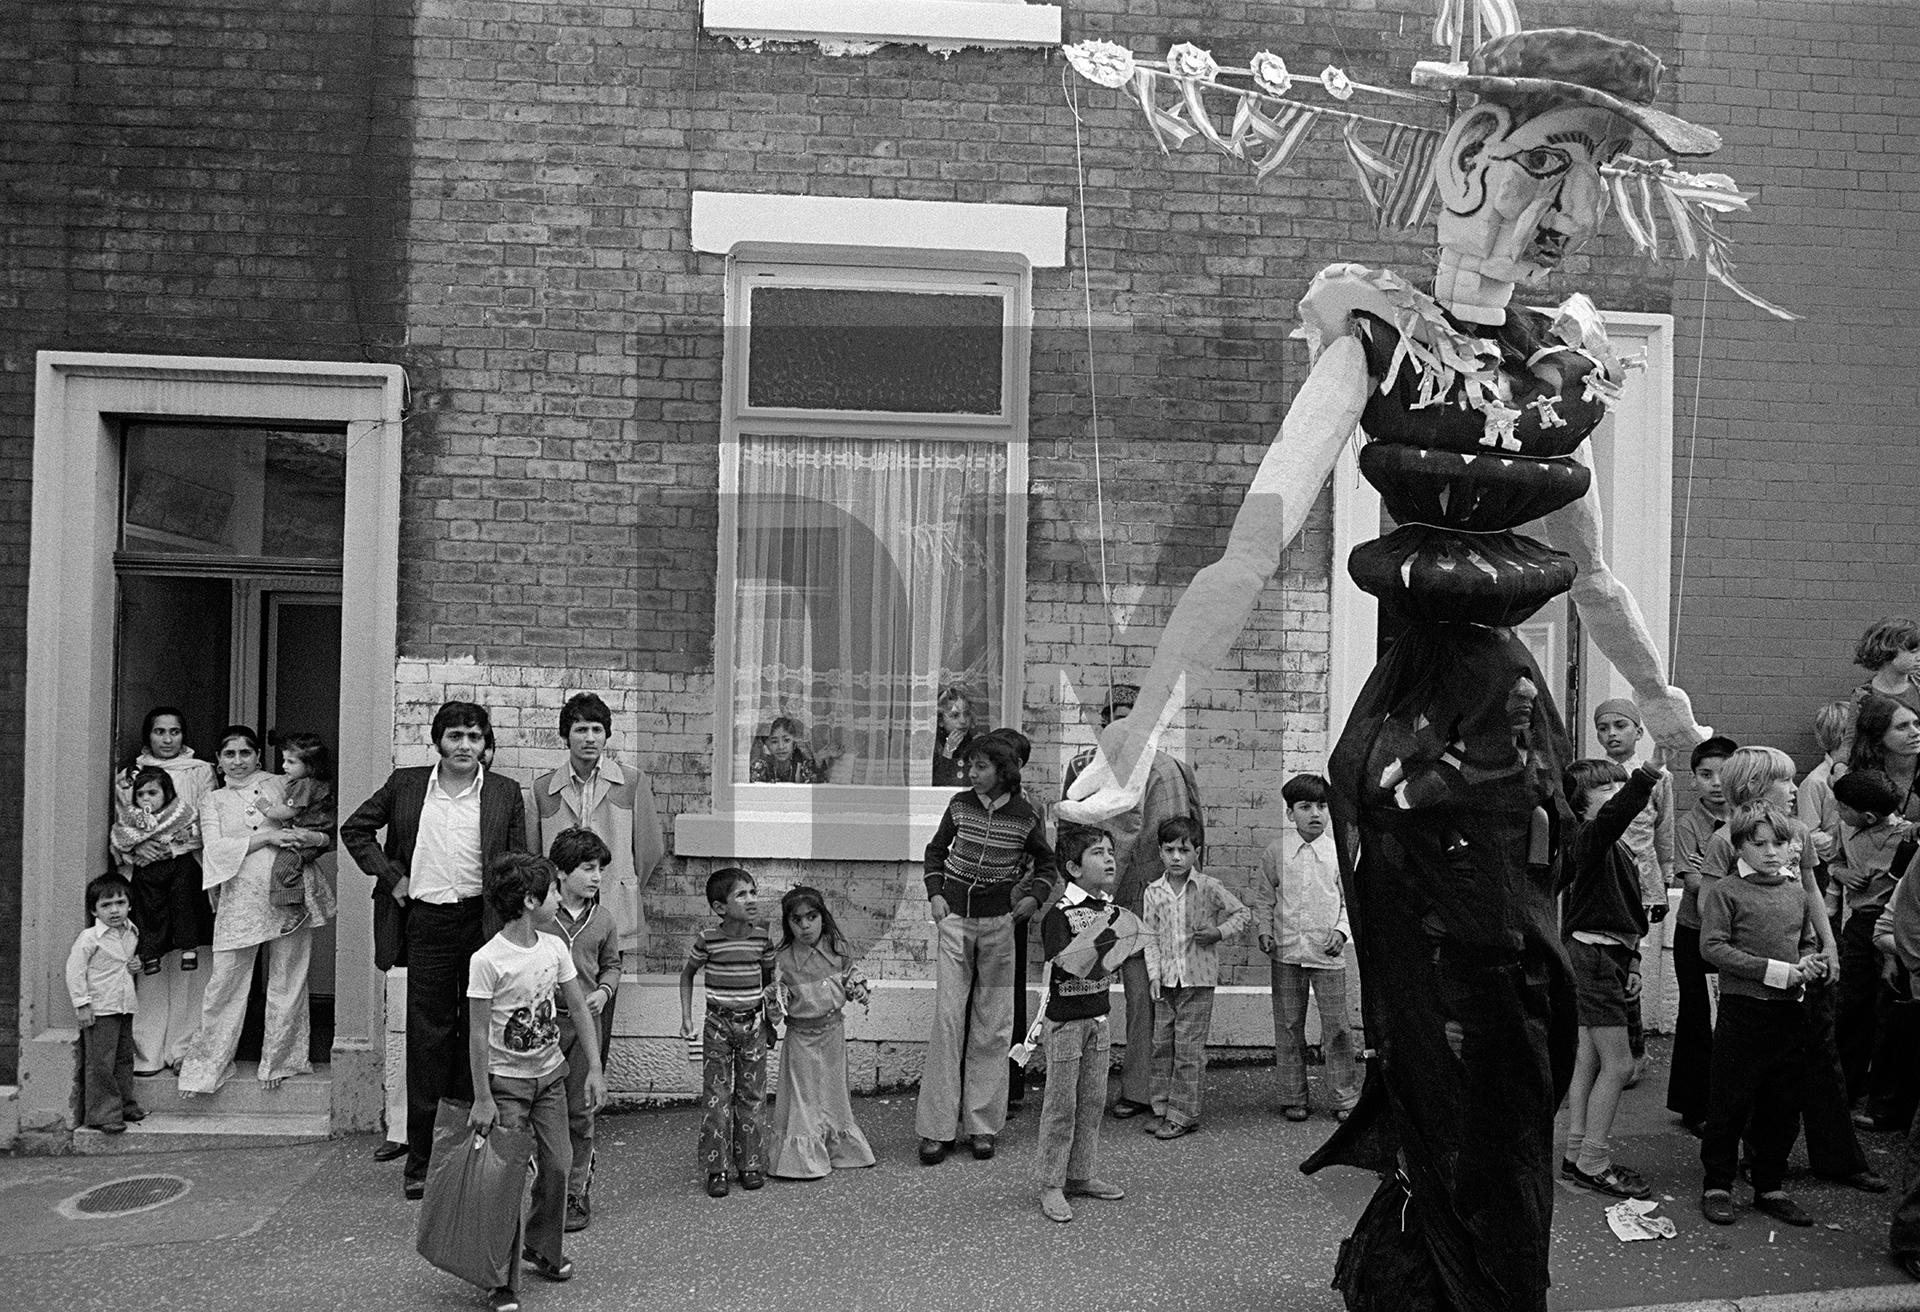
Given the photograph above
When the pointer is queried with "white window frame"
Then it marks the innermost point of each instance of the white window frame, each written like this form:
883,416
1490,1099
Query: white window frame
849,821
943,25
1636,522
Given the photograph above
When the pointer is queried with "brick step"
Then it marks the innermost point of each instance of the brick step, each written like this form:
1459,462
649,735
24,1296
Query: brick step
170,1132
242,1095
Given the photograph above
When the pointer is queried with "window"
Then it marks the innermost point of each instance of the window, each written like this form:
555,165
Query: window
872,530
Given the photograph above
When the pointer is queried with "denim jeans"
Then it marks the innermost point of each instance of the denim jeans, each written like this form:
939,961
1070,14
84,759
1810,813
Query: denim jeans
1076,1098
540,1105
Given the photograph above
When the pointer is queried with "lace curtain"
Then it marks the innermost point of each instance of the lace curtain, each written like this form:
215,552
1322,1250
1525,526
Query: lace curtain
870,575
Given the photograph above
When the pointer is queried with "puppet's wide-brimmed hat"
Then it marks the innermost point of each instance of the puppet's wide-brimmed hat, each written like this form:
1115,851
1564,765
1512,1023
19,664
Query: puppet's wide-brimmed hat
1585,66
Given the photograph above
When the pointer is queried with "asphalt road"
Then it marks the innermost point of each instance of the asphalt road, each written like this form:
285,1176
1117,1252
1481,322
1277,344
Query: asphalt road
1221,1220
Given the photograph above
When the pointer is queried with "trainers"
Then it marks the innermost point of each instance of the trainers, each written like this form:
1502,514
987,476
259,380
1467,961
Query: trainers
717,1185
1781,1207
504,1299
1054,1205
578,1217
1615,1180
1717,1206
554,1271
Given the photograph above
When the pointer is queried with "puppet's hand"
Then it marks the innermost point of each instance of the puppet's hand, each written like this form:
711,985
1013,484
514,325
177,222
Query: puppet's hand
1117,777
1669,716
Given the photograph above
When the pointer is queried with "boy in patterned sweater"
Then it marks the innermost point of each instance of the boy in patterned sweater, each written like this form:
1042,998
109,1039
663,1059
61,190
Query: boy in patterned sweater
1086,939
976,892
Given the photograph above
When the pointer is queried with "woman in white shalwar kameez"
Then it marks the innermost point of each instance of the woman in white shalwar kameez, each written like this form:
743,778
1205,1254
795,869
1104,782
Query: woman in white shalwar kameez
237,860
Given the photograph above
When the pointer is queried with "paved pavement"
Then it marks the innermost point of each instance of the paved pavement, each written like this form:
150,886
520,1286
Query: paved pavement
1221,1220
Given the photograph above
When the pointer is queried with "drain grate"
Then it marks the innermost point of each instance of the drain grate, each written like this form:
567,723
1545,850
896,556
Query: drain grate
140,1193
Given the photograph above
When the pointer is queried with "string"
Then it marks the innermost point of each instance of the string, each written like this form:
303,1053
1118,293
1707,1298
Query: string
1686,514
1093,389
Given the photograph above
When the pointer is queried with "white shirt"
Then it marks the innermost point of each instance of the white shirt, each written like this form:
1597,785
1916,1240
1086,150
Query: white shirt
446,852
1303,878
99,973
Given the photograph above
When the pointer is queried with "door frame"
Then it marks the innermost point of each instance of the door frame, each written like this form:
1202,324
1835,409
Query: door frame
79,399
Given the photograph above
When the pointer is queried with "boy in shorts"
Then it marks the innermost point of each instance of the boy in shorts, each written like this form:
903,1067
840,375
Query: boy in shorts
1603,923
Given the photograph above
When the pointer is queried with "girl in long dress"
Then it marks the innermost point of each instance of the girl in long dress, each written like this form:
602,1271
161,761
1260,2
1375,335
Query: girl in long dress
240,841
170,1000
813,1129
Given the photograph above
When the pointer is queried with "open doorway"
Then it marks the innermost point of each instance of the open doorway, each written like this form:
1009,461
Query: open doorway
229,608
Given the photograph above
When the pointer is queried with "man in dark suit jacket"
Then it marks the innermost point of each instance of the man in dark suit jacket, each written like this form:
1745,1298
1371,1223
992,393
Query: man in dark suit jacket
445,824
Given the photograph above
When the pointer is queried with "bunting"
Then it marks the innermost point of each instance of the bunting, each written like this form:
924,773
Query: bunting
1690,200
1282,134
1490,18
1397,180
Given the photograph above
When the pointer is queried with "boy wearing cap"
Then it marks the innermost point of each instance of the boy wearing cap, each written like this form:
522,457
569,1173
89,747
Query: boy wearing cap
1649,836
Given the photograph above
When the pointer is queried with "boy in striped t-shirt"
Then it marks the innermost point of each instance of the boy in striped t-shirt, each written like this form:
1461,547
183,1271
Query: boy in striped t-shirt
737,957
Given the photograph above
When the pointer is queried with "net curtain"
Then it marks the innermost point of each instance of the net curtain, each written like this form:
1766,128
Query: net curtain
871,574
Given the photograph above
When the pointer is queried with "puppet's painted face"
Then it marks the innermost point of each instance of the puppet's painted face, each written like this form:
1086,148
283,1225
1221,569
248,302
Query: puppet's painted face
1516,200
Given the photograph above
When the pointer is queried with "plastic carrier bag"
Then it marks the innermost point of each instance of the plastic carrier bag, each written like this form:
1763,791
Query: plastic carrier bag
476,1190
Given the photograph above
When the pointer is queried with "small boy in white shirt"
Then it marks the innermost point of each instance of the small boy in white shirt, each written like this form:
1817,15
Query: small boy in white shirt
1300,915
100,973
513,1046
1186,914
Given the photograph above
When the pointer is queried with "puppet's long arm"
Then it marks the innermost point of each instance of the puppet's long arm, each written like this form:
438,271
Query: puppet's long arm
1612,618
1213,612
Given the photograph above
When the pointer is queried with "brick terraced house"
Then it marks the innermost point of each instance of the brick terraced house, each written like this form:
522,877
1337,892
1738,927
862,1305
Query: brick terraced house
738,360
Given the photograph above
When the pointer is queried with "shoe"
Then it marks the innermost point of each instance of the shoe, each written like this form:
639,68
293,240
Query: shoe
503,1299
150,967
1340,1117
117,1127
1126,1109
1862,1121
1153,1124
189,961
554,1271
1054,1206
982,1147
1569,1168
578,1218
1615,1180
751,1180
1095,1188
932,1152
1717,1206
389,1151
414,1190
716,1186
1294,1113
1174,1130
1781,1207
133,1115
1867,1182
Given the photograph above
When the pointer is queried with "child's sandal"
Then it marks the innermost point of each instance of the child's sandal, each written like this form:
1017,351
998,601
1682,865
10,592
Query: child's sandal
189,961
151,966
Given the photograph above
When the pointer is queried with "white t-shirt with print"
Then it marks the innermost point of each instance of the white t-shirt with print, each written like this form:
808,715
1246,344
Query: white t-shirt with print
523,1035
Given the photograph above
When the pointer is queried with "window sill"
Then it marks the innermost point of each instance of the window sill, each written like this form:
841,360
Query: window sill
936,24
897,833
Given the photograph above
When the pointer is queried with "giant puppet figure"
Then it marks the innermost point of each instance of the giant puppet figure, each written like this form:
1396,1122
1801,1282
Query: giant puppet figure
1475,412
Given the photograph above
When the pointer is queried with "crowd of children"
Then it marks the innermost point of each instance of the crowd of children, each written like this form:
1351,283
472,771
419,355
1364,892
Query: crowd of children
1794,898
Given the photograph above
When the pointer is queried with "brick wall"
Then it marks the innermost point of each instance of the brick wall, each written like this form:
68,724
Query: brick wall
560,503
1806,467
187,178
